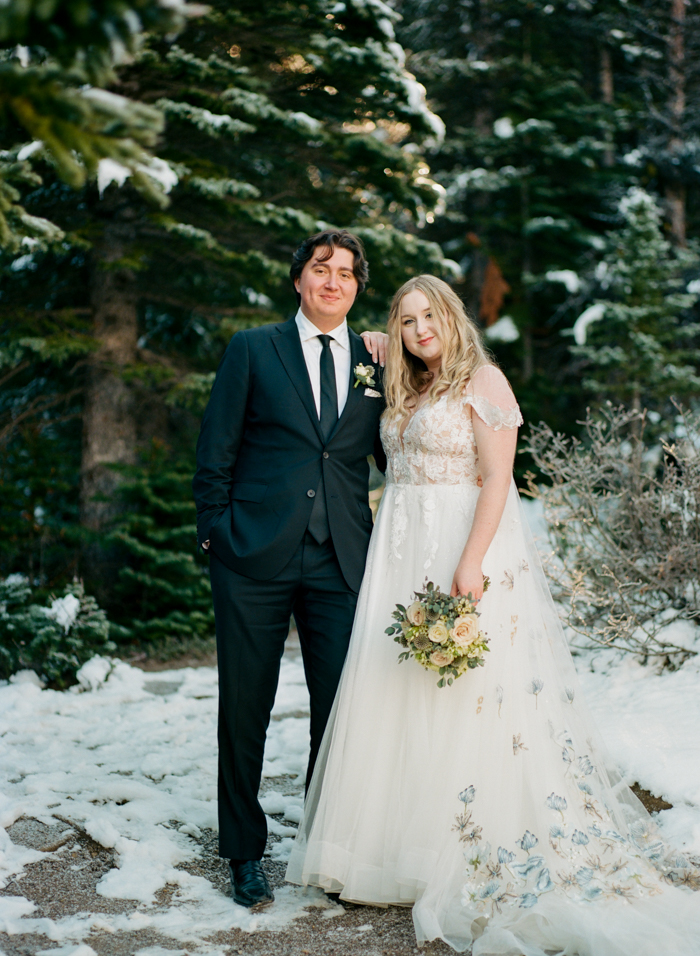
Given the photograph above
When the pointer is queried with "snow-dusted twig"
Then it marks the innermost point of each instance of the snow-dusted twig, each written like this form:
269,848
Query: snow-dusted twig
624,517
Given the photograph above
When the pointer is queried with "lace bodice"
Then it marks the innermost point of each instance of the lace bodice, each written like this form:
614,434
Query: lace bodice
438,445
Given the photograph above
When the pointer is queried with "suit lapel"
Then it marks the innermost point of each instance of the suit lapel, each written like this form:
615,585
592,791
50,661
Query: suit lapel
358,355
288,345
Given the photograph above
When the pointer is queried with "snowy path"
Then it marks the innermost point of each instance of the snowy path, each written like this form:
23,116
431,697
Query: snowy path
131,762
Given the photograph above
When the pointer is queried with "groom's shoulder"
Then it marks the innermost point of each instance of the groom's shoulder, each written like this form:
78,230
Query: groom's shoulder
255,339
259,332
262,333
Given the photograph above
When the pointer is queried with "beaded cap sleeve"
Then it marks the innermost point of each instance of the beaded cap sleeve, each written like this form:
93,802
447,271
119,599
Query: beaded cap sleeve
491,397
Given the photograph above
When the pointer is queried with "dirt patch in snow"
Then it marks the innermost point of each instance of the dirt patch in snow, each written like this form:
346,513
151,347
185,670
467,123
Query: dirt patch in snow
64,883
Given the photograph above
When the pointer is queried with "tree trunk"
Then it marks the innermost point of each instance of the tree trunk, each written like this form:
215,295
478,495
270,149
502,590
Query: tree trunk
675,199
675,191
109,418
526,331
607,93
527,41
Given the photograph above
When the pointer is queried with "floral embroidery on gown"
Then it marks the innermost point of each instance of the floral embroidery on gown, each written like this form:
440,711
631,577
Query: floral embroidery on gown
490,806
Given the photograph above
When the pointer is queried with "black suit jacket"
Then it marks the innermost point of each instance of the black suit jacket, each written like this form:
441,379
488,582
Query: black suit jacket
260,457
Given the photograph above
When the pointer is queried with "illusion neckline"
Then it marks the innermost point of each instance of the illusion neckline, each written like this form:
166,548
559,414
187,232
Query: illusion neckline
425,404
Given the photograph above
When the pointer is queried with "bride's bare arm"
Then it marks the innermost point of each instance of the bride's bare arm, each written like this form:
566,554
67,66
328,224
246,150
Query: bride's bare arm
496,456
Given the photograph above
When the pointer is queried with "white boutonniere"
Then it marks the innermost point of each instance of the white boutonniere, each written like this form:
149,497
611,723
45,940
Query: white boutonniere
364,375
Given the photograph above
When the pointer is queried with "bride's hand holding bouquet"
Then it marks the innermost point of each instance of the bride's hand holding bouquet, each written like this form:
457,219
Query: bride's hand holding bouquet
441,632
468,580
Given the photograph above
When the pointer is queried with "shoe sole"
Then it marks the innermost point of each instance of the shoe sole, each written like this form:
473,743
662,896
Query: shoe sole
260,905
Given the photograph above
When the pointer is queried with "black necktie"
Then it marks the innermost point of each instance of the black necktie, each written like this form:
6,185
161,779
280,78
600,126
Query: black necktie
318,522
329,392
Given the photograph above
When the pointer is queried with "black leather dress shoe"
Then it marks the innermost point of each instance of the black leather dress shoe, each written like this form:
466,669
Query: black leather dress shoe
249,884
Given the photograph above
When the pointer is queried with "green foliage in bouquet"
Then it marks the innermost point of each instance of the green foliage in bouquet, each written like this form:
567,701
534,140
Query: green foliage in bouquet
54,641
441,632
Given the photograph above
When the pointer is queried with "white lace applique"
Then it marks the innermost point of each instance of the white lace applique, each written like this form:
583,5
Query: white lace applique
434,545
399,523
438,446
429,504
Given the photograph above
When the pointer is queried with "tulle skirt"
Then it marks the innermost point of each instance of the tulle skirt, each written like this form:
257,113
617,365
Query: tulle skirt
490,805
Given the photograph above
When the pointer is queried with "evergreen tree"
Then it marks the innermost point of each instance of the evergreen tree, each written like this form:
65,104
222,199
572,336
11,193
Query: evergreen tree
309,117
54,640
660,40
280,119
638,344
53,59
40,408
529,158
163,595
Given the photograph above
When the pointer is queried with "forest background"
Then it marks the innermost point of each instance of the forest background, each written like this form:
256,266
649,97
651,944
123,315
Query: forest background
160,163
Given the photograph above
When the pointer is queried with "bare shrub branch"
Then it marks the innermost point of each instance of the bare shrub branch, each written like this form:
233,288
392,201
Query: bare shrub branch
624,517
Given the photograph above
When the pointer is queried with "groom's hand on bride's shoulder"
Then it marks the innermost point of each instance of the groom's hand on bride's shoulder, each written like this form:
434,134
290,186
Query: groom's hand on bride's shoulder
376,345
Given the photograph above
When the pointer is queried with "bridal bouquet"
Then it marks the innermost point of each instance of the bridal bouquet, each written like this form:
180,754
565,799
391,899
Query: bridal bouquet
441,633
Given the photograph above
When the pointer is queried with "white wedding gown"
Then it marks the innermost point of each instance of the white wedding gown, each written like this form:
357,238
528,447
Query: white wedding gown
490,805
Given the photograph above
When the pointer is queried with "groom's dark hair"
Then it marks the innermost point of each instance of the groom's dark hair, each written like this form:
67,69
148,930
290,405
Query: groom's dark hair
332,239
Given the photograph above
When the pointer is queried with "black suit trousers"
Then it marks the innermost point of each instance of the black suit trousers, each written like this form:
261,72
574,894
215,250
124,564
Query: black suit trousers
252,621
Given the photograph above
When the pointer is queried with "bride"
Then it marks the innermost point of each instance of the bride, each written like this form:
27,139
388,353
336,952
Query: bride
490,806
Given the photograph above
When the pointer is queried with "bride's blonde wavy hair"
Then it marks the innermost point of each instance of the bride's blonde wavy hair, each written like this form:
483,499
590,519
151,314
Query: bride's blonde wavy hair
463,352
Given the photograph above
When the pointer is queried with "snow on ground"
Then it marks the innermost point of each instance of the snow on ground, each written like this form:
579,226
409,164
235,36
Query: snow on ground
130,757
650,721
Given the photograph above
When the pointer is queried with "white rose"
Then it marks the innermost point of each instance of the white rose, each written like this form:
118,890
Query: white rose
441,658
465,630
438,633
416,614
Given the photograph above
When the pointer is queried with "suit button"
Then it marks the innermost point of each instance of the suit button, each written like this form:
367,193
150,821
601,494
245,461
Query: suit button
311,493
326,455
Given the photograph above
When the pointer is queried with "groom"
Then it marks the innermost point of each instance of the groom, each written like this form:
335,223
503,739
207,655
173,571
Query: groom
281,491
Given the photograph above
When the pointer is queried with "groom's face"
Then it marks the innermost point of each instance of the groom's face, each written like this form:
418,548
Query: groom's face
327,287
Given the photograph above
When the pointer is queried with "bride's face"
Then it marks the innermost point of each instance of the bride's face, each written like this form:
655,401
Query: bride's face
419,330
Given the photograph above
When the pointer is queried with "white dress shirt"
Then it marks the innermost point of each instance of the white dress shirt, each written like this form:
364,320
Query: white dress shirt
340,350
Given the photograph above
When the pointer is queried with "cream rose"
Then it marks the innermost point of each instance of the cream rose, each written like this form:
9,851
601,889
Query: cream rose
438,633
441,658
465,630
416,614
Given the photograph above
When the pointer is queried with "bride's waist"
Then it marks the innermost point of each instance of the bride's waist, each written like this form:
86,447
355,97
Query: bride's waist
461,485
